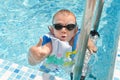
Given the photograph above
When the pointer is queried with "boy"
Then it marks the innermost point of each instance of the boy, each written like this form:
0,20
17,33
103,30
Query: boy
55,50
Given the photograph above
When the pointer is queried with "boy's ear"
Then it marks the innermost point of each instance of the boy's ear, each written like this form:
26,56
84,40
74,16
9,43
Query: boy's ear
76,29
51,29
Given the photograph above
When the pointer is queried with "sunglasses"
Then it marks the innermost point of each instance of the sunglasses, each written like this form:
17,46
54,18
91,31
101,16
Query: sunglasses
68,27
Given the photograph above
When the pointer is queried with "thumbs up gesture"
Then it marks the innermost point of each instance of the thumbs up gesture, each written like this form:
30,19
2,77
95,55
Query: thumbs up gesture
38,52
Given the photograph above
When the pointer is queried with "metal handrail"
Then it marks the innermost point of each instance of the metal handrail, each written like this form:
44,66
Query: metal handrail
88,22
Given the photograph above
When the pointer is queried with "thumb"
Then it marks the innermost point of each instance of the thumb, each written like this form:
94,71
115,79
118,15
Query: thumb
40,42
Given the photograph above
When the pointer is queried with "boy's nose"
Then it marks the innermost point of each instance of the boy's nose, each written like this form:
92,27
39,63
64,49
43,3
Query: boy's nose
63,30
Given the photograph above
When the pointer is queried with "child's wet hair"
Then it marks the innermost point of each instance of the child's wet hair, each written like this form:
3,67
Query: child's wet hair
64,12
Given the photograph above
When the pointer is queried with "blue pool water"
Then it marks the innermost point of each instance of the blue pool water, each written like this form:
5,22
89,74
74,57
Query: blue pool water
22,22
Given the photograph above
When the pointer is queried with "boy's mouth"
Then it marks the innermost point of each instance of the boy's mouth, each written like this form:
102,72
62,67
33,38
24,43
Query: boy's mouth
63,36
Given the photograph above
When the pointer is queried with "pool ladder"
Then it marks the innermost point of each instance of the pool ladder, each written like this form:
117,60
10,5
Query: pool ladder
91,17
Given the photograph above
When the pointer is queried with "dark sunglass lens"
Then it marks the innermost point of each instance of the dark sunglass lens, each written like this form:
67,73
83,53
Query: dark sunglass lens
57,26
70,26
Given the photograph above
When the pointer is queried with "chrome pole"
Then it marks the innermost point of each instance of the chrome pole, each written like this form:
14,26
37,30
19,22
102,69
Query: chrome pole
91,19
83,38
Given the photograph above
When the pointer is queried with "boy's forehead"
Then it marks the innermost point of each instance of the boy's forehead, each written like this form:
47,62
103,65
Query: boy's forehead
64,17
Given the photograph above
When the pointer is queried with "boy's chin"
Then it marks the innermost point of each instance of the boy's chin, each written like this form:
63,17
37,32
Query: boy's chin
64,40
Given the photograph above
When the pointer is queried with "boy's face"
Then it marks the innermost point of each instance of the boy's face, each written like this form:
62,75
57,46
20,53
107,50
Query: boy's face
63,33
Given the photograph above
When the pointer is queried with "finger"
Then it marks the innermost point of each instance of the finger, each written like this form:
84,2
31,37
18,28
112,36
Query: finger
94,49
91,51
40,42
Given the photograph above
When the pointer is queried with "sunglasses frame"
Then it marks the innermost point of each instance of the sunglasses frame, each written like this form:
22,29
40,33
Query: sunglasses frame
60,26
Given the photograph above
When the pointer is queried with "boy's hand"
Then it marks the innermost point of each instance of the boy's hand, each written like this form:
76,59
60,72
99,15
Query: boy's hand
91,46
37,53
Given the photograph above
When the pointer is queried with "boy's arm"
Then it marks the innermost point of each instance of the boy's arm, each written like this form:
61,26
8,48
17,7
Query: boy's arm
38,52
91,46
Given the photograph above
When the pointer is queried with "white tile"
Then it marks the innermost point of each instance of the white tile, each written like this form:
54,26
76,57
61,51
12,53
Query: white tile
46,76
57,78
117,74
6,75
24,69
1,61
118,59
38,78
117,56
14,65
118,51
1,69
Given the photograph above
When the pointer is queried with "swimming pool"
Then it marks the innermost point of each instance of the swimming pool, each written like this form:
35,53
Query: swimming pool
23,22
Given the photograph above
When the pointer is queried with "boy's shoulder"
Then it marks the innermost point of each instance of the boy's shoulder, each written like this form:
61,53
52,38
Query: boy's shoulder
46,38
